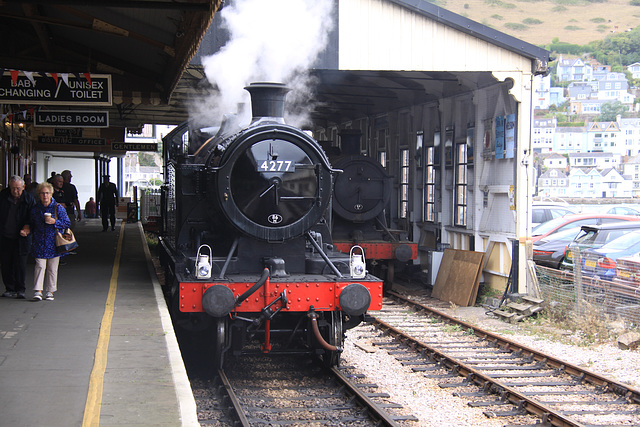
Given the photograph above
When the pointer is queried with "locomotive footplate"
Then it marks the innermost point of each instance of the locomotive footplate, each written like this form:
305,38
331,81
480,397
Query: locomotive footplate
403,251
300,292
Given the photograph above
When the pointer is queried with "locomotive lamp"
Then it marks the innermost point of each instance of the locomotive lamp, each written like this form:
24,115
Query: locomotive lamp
203,263
357,266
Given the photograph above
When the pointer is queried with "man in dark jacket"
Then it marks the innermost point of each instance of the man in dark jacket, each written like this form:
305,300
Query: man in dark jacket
107,200
15,238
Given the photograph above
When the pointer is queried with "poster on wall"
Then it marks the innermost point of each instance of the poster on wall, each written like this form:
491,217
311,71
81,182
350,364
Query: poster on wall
510,137
448,148
487,141
471,142
500,137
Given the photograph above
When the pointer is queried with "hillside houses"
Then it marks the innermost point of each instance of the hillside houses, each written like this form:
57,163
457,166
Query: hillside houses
587,183
588,175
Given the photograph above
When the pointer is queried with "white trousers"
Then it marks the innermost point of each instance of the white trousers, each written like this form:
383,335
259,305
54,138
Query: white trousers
46,274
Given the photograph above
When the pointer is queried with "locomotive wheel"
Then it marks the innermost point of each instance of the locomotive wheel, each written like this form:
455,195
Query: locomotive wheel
219,341
388,280
336,338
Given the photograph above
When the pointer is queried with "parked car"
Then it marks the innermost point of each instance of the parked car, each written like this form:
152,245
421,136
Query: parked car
601,262
542,212
575,220
549,251
595,236
623,210
610,209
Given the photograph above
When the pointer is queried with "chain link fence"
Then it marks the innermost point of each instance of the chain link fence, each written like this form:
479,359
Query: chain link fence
569,293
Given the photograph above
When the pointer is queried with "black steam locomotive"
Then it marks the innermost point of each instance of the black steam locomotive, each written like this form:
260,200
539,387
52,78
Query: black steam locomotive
247,252
361,199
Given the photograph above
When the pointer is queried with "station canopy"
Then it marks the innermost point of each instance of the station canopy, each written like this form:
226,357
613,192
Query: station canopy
144,45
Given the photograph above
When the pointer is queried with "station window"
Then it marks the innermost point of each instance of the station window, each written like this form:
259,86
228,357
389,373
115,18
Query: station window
430,185
404,183
382,158
460,213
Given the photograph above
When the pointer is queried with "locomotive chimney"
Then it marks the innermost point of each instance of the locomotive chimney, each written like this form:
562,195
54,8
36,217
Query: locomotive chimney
267,101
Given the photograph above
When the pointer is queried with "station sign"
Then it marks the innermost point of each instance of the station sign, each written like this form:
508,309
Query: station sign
48,91
134,146
74,119
65,140
68,132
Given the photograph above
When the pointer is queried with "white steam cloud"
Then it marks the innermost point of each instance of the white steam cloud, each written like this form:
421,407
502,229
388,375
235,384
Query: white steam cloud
269,41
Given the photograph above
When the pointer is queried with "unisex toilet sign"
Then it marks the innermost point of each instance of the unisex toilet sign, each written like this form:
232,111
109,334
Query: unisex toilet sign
45,90
76,119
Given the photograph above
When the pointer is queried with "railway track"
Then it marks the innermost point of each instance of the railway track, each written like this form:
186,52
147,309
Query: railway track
292,391
504,378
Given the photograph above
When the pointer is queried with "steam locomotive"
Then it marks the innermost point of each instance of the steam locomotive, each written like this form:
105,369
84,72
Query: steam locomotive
361,197
247,250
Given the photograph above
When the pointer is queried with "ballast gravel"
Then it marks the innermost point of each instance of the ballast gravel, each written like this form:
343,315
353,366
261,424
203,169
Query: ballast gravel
435,406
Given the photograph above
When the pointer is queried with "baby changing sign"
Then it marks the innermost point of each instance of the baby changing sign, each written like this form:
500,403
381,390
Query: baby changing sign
52,89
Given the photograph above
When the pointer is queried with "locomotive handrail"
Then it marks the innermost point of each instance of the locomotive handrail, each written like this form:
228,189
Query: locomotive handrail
223,271
322,254
258,285
384,227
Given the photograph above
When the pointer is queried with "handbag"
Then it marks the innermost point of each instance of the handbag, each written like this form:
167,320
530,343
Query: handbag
65,241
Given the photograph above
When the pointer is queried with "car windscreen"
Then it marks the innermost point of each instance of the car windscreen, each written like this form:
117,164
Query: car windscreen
622,242
545,227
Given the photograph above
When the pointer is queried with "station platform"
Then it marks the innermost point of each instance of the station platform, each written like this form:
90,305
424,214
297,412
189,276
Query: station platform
104,351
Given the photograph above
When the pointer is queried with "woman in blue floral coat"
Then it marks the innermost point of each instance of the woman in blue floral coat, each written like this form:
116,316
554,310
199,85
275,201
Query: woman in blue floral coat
47,217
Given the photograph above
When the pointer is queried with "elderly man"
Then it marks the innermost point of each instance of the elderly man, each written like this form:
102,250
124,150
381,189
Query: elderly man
15,238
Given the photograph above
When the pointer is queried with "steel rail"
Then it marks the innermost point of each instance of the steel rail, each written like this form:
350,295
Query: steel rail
497,340
238,412
472,375
380,414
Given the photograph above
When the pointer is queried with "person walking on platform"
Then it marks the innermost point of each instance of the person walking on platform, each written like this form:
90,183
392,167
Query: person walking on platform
71,202
47,217
108,201
15,236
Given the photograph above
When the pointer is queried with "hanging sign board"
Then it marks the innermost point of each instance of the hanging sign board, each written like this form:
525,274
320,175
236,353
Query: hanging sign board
63,140
134,146
74,119
45,90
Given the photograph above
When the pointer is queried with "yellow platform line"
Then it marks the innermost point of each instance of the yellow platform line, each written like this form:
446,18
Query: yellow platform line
96,381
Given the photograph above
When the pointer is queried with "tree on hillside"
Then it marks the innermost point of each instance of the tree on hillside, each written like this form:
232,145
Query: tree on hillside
619,48
609,111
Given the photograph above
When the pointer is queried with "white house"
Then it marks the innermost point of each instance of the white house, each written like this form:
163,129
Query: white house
553,183
555,161
614,185
631,171
630,138
543,135
584,182
574,70
542,95
599,161
634,69
604,136
570,140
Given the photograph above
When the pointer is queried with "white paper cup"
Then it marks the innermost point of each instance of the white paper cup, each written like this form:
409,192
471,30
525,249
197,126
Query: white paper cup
47,215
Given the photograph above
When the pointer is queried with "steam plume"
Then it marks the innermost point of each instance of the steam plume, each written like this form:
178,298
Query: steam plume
275,41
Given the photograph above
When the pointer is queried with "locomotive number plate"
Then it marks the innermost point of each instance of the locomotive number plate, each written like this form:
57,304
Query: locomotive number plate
277,166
